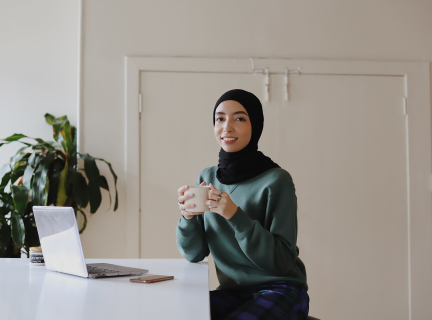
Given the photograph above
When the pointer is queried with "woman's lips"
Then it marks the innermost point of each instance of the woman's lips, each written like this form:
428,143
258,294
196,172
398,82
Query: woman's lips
229,141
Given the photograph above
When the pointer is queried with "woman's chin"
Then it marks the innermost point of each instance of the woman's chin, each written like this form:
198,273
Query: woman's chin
230,149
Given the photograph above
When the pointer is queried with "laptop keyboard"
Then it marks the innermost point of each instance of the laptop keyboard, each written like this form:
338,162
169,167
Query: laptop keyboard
93,270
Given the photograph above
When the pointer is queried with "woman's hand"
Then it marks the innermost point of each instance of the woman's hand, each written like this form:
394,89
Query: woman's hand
182,198
225,207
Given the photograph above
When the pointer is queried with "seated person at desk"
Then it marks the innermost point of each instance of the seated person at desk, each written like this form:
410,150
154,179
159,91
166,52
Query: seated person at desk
251,227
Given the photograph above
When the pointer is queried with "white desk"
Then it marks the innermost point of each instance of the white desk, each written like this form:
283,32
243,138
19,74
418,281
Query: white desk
32,292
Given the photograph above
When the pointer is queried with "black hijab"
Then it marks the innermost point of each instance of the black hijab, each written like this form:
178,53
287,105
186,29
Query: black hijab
235,167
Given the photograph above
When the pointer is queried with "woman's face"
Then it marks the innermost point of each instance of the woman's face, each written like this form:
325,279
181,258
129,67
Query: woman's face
232,121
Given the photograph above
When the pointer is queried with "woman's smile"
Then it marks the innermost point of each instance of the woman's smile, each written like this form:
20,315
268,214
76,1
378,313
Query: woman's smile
229,140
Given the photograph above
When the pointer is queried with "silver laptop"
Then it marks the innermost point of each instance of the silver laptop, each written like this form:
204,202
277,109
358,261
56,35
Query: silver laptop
61,246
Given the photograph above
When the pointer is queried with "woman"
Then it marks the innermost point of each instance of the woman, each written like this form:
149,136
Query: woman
251,227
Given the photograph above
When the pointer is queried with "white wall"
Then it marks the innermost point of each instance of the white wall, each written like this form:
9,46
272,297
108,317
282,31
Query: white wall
350,30
39,60
38,67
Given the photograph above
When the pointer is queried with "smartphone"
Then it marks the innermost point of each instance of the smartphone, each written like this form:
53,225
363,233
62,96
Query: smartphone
149,278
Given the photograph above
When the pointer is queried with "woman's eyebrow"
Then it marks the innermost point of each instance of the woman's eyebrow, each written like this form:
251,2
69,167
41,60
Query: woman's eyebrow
238,112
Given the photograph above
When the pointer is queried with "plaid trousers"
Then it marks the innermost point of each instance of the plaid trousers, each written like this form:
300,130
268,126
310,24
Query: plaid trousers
269,301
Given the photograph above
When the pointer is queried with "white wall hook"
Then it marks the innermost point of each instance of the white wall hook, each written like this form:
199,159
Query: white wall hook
286,84
267,80
267,85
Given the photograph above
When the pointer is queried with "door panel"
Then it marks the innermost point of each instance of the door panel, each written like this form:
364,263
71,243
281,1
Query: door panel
177,142
342,139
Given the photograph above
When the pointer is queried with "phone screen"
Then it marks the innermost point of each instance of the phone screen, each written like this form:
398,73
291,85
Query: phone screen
152,278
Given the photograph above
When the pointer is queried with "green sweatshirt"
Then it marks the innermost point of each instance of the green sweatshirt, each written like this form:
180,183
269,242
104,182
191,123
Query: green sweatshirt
258,244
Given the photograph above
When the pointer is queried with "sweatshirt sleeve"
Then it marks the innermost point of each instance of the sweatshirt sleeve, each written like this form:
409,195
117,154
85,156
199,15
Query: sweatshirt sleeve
191,238
273,250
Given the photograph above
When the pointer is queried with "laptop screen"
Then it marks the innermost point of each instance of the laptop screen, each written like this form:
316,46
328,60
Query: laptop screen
60,241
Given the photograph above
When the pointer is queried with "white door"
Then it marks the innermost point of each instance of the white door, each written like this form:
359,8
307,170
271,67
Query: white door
343,140
177,142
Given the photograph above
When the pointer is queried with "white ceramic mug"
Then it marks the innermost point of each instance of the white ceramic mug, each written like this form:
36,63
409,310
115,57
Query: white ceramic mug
199,198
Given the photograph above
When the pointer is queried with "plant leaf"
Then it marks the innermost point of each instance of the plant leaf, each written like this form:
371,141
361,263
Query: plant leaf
114,176
5,236
57,127
16,160
46,190
27,144
20,198
21,150
72,154
31,234
115,182
3,170
104,184
17,229
79,188
54,173
54,144
40,180
62,186
49,118
85,221
4,175
44,146
18,171
28,175
92,172
4,210
67,137
62,118
15,137
6,198
18,136
33,159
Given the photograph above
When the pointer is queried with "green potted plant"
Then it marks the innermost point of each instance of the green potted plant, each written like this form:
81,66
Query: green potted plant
46,173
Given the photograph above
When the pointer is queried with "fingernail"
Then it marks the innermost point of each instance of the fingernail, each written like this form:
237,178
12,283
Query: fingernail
191,205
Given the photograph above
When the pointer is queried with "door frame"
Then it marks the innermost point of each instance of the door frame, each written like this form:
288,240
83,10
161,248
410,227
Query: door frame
417,102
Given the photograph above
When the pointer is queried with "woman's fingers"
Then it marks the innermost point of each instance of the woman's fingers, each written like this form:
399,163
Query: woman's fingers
181,190
213,193
187,206
185,197
184,212
213,189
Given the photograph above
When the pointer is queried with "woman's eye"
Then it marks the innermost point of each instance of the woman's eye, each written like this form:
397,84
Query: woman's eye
242,119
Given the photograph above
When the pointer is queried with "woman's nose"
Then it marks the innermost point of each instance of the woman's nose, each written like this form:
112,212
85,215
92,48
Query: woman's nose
227,125
227,128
